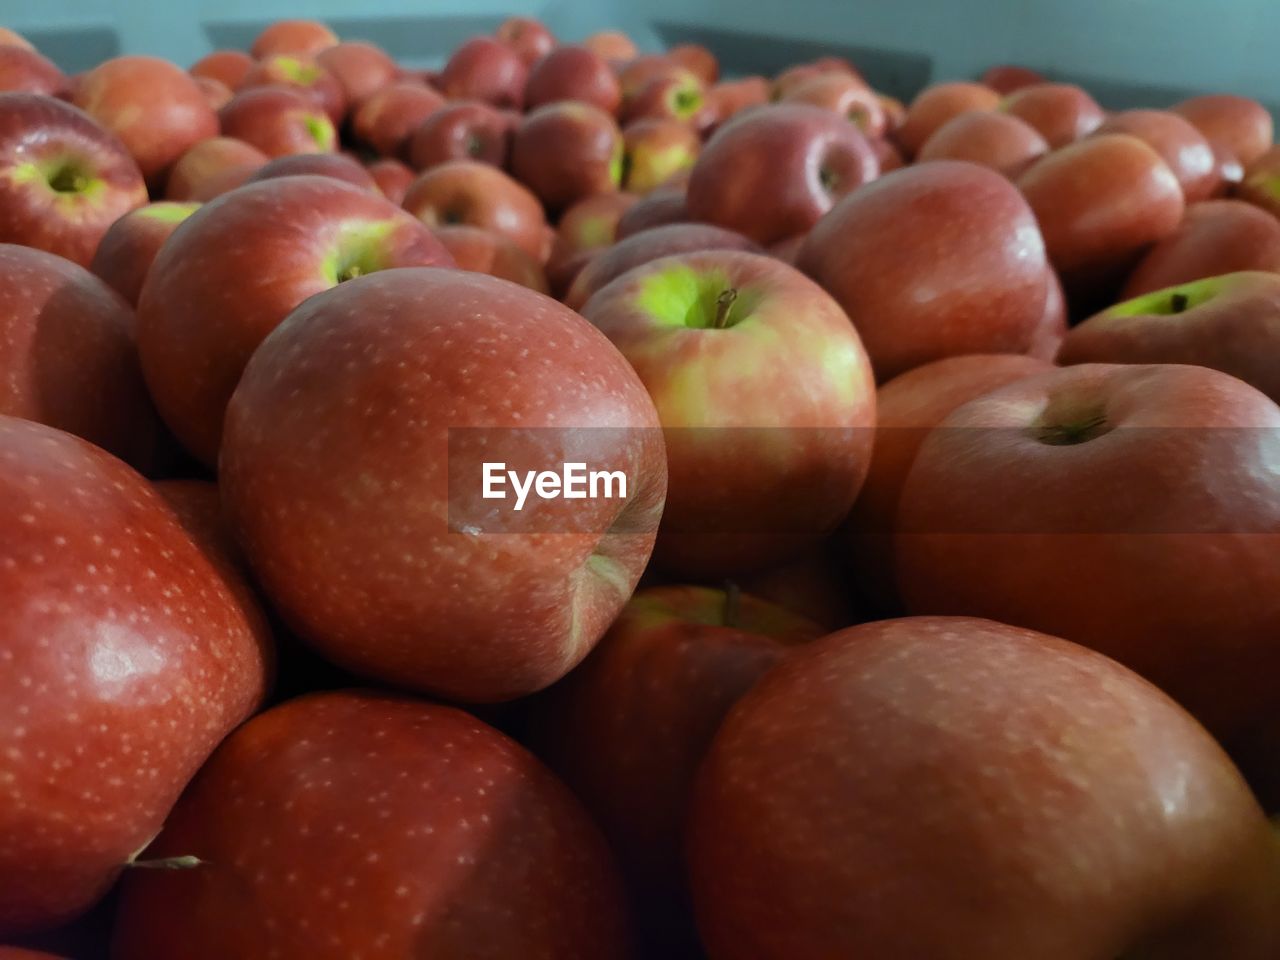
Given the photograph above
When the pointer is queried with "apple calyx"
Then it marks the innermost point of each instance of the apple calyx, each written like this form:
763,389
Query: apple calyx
724,303
1073,432
358,251
687,102
1179,302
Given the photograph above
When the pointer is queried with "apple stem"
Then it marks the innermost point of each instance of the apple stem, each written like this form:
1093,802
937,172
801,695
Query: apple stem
167,863
732,600
724,303
1179,302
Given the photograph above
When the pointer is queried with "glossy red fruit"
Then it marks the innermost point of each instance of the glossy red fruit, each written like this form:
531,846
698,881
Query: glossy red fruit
126,659
26,71
339,166
128,249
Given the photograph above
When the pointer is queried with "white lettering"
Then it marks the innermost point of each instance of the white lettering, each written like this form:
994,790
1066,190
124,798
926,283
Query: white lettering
494,475
609,476
521,491
573,482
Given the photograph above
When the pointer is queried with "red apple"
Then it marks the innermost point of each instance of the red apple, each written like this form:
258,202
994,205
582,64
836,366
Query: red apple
1101,203
611,45
937,104
774,172
1081,812
387,119
225,66
1229,168
485,69
638,72
656,150
658,208
1053,322
629,727
697,59
26,71
504,856
649,245
70,359
155,108
1180,145
676,96
11,38
1243,126
484,251
216,93
211,160
1061,112
529,38
336,165
127,249
1260,184
1146,489
466,130
392,177
895,112
201,313
479,195
801,73
572,73
848,96
1215,237
293,38
127,660
587,227
1229,323
730,97
765,395
1007,78
63,179
907,408
305,76
566,151
471,602
888,156
360,68
997,140
279,121
933,261
198,507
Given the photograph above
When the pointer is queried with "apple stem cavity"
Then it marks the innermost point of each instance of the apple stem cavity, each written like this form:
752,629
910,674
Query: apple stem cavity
167,863
1069,434
1179,302
724,303
732,601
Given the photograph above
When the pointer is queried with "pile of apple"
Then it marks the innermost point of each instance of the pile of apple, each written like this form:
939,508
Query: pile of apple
940,620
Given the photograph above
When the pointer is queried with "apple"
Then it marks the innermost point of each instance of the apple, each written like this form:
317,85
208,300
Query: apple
1147,489
293,38
486,69
848,96
1215,237
697,59
339,166
198,506
26,71
937,104
70,359
485,251
1229,168
386,120
888,156
880,253
895,112
1260,184
566,151
997,140
210,161
611,45
466,130
155,108
226,66
216,93
360,68
629,727
238,267
305,76
1243,126
479,195
1101,203
658,208
1229,323
155,664
573,73
1061,112
1052,327
788,251
907,408
655,150
637,73
1008,78
392,177
730,97
504,856
662,241
1135,835
474,601
11,38
529,38
279,121
774,172
63,179
677,96
127,249
1180,145
801,73
585,229
765,396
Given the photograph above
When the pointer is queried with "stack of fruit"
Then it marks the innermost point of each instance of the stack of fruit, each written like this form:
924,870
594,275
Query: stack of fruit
927,605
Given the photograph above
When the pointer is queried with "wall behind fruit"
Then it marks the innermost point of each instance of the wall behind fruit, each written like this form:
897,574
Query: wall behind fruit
1126,51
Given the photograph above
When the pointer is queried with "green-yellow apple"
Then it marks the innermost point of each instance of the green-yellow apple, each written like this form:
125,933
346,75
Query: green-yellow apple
278,121
655,150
